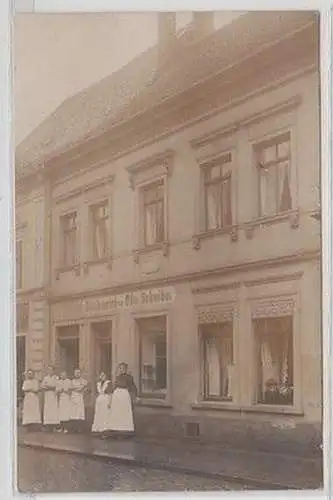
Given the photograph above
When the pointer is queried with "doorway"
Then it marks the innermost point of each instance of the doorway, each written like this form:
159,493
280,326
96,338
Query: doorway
102,334
20,365
68,340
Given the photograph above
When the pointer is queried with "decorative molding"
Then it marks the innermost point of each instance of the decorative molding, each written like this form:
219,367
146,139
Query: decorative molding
233,127
272,308
216,288
274,279
234,234
73,193
294,220
249,231
162,161
205,235
196,242
163,247
217,313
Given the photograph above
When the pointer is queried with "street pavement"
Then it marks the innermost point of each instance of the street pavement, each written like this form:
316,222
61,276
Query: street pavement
41,471
260,470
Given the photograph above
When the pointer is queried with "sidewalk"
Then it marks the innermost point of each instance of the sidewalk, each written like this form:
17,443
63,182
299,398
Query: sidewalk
252,469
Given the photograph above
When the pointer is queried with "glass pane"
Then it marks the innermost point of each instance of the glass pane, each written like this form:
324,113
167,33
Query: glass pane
226,202
285,202
268,154
268,191
101,240
214,201
153,362
154,223
219,364
284,149
155,192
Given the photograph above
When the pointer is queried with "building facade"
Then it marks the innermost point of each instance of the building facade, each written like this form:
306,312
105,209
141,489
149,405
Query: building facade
182,241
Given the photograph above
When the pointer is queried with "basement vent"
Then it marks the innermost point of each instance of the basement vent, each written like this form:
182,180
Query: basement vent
191,429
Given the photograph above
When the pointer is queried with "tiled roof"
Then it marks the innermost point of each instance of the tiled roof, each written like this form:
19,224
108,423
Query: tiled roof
142,83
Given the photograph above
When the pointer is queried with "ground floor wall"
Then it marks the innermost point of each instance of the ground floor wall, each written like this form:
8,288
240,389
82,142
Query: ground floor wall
235,360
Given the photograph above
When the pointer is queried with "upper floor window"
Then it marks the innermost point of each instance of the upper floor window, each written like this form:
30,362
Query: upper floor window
273,162
153,213
217,182
100,218
19,264
68,224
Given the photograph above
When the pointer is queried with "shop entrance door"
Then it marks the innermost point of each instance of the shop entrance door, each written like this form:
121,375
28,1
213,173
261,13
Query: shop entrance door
102,333
20,364
68,349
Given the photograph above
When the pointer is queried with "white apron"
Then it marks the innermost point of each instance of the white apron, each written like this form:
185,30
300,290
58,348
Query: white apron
77,400
31,408
101,417
51,410
121,415
64,400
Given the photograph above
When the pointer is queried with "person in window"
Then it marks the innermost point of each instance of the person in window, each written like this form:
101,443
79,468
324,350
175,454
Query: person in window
31,417
102,405
124,393
51,410
63,391
78,388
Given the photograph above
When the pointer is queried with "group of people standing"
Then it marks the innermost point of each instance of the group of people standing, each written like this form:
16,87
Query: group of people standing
63,402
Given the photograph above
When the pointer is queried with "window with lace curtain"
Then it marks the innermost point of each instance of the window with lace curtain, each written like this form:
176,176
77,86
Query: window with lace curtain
217,183
274,353
218,361
273,164
100,218
153,213
68,225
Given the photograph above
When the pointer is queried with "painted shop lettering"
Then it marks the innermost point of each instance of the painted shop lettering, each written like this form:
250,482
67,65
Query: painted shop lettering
132,299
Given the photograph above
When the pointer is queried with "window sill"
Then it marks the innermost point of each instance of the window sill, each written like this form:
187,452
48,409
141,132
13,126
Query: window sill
212,233
268,409
153,403
95,262
163,247
75,269
291,215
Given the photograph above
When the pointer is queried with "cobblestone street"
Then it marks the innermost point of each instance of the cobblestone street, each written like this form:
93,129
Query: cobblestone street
48,472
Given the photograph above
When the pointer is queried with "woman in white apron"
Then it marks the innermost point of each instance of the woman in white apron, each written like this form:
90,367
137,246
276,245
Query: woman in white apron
102,405
51,411
31,416
78,388
64,401
121,420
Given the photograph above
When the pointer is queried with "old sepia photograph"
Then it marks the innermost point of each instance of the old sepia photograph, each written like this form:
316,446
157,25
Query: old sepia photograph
168,251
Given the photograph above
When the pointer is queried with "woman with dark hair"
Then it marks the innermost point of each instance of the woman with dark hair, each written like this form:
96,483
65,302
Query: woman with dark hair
121,409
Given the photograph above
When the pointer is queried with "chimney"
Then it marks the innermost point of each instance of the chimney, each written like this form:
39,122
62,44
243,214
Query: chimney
166,32
203,23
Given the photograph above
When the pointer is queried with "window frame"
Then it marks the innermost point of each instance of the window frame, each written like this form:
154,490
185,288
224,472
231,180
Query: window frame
162,199
63,232
258,146
92,226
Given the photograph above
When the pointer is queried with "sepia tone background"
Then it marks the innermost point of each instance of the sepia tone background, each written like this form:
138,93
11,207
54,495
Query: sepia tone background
167,216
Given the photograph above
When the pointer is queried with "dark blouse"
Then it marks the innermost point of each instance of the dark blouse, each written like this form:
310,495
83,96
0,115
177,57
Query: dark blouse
126,381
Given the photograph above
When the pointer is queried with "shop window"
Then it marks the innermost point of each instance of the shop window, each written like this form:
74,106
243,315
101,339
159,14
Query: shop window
274,349
218,361
19,264
273,164
100,230
217,185
103,347
153,213
68,224
153,357
68,348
